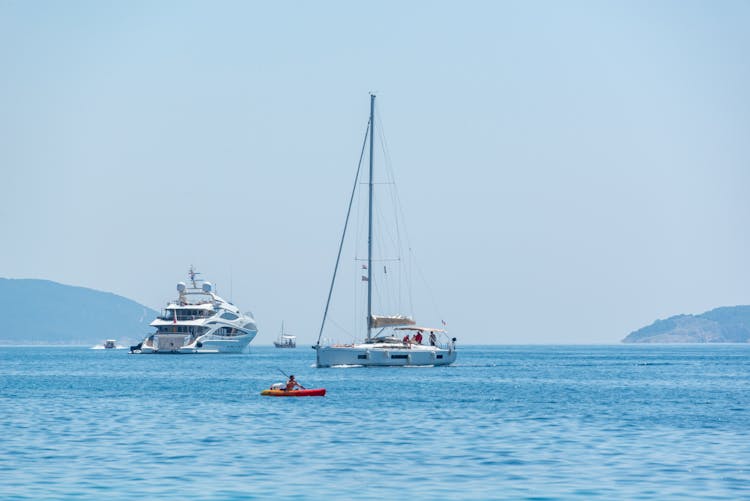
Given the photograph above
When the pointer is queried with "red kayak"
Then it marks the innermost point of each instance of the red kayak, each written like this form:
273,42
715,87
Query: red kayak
312,392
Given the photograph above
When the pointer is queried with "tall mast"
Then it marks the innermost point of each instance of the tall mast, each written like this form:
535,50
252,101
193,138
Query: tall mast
369,224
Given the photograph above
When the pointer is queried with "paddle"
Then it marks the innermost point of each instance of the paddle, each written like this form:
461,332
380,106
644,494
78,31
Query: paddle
287,376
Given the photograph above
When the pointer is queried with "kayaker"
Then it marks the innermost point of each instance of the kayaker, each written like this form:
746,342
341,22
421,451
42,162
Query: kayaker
292,384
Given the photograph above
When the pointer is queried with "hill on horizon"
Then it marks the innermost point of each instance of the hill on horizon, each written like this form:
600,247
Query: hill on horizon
46,312
728,324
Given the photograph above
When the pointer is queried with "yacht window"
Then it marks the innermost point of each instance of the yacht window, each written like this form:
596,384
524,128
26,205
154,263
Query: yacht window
229,316
400,356
227,331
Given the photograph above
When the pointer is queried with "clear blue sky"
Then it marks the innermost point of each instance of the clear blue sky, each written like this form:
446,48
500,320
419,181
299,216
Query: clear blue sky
570,171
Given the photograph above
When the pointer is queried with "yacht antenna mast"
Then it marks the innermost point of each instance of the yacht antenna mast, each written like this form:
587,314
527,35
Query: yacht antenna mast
193,274
369,224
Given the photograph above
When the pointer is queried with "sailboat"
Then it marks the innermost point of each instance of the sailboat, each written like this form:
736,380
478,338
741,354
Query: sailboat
285,340
391,340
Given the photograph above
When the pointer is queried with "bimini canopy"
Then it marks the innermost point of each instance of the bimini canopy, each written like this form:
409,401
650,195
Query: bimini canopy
378,321
423,329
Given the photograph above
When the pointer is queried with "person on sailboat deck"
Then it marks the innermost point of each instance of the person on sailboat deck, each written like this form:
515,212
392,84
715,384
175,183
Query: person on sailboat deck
292,383
418,337
433,338
406,339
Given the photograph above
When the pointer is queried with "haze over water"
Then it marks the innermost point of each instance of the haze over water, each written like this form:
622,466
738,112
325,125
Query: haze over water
570,167
505,422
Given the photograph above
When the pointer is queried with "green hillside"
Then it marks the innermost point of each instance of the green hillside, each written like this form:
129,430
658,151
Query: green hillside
45,312
729,324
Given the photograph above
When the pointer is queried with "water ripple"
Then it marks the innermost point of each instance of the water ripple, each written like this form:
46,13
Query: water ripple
506,423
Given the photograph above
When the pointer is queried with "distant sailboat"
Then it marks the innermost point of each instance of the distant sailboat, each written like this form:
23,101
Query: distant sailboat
285,340
398,341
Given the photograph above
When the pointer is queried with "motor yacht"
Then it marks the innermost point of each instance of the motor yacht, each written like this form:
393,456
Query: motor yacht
199,321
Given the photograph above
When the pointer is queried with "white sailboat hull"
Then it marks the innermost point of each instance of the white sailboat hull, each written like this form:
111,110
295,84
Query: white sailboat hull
369,355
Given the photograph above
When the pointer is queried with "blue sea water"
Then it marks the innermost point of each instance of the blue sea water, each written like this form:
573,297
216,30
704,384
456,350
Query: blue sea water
504,422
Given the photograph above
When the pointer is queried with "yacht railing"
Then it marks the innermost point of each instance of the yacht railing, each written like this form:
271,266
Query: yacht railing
182,318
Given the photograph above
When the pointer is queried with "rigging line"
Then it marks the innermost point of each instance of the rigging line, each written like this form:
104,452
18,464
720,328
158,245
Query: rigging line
389,170
358,298
389,291
383,141
409,290
402,231
359,216
386,295
387,245
343,235
393,236
340,327
427,286
399,218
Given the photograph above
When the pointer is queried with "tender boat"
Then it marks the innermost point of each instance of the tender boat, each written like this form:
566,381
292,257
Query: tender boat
199,321
110,344
391,340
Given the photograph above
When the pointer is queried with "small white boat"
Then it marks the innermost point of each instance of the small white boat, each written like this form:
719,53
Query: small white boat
285,340
110,344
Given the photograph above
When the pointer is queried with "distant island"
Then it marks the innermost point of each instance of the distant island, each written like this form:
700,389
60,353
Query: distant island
45,312
729,324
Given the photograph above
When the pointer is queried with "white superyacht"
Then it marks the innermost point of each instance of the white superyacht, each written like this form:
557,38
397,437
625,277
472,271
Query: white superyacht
199,321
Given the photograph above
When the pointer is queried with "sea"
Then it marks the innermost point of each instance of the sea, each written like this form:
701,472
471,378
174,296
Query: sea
504,422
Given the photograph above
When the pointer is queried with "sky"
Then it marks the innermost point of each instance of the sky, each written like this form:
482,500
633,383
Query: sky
569,171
